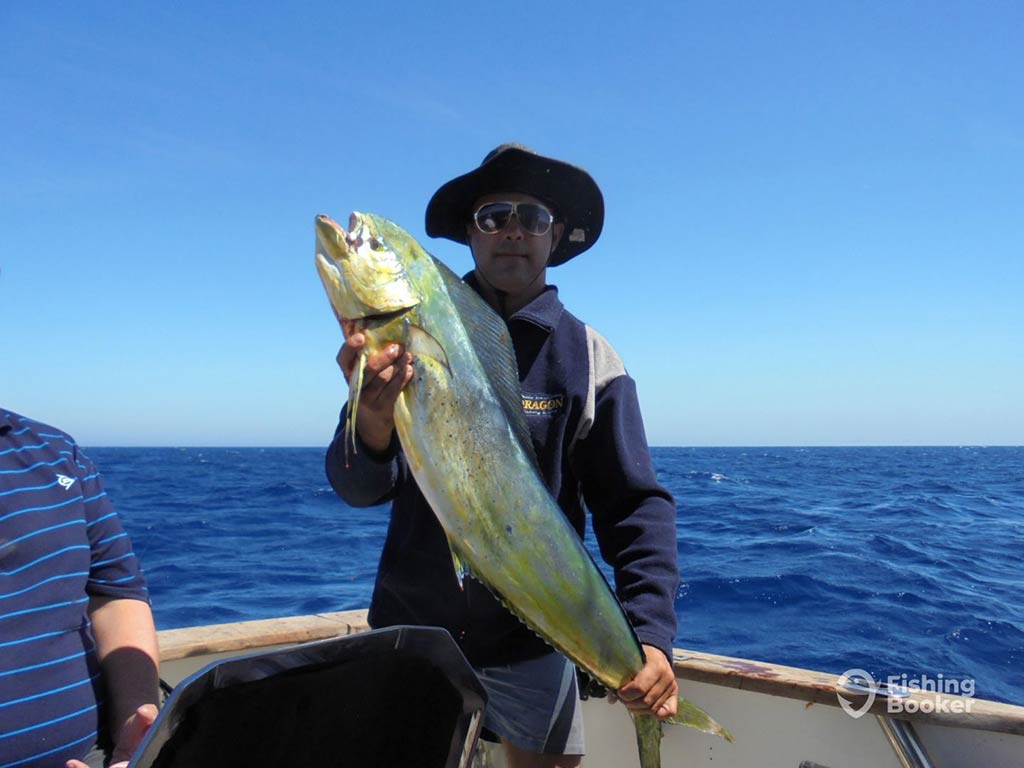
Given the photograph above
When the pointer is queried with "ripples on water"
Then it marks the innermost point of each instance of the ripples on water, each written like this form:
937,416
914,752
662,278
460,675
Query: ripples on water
893,560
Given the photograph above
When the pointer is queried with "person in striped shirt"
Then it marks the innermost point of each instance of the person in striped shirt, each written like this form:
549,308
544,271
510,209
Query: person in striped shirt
78,648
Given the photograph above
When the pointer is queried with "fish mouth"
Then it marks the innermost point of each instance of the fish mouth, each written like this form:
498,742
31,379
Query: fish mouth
335,245
335,248
335,239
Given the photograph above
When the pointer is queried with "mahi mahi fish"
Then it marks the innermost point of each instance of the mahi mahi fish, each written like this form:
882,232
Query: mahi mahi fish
461,426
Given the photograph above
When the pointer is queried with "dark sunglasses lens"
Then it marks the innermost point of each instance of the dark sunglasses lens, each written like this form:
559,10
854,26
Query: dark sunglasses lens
493,217
536,219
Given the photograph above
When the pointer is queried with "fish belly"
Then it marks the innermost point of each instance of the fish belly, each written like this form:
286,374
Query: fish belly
504,524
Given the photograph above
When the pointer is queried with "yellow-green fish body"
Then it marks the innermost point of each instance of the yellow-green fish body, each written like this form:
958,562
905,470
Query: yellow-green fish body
461,426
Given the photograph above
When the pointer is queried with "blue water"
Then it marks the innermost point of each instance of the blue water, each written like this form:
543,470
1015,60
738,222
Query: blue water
893,560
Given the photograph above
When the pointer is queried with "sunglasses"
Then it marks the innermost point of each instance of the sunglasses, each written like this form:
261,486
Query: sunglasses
491,218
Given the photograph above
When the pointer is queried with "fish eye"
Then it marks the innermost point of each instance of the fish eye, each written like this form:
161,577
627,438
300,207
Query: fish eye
376,244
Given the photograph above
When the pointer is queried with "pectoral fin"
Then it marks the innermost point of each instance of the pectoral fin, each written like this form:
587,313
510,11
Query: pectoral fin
421,344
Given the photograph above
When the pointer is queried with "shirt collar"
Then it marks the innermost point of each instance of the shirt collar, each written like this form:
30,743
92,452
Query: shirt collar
545,310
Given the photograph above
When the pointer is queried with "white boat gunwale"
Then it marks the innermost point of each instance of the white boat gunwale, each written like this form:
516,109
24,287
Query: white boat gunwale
754,676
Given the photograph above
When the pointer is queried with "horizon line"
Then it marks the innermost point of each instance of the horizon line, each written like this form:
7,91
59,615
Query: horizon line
227,446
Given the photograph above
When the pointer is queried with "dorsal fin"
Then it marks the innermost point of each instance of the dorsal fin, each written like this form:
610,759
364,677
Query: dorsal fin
493,345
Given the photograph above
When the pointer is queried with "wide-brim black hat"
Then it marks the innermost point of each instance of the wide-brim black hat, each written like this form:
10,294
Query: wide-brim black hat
570,190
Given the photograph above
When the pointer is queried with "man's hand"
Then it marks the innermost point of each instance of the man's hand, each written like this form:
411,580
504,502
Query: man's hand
130,737
386,373
654,690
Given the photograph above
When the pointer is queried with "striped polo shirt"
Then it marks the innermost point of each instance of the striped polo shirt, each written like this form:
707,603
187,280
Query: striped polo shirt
61,542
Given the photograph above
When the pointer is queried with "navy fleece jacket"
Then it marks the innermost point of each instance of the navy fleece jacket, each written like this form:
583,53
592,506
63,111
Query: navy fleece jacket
584,418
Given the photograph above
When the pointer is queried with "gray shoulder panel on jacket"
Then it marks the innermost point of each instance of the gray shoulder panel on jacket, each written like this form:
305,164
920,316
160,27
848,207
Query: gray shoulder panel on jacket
605,363
605,366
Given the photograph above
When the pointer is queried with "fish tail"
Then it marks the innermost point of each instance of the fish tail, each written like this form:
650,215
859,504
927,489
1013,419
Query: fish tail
648,731
648,740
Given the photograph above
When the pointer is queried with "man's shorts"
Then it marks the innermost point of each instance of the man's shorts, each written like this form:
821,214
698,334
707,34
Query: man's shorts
535,705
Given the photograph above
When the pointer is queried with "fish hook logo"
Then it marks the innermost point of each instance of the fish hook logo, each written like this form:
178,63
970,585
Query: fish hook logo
65,482
856,681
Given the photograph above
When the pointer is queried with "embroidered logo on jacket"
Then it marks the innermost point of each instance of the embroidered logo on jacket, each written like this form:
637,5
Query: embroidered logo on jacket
543,404
65,482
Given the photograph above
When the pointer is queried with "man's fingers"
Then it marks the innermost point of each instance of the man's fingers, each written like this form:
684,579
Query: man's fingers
629,693
377,365
382,392
655,698
661,702
654,689
669,707
400,373
646,694
349,352
381,370
379,362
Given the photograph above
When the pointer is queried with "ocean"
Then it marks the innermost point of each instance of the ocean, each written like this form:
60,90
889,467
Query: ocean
898,561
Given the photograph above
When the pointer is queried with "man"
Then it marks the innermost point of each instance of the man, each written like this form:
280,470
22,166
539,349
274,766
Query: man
522,213
78,649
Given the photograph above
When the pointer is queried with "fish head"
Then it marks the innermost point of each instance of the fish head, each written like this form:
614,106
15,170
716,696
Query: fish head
363,272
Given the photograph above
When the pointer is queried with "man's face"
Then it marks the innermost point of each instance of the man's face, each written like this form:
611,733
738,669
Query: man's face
512,260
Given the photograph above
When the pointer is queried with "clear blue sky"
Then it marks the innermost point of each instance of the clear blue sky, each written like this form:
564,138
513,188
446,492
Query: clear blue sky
815,211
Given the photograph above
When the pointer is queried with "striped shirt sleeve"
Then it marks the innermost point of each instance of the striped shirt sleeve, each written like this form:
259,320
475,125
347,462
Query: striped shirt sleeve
114,569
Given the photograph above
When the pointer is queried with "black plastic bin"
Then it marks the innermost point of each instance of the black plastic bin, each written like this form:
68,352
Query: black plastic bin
402,696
